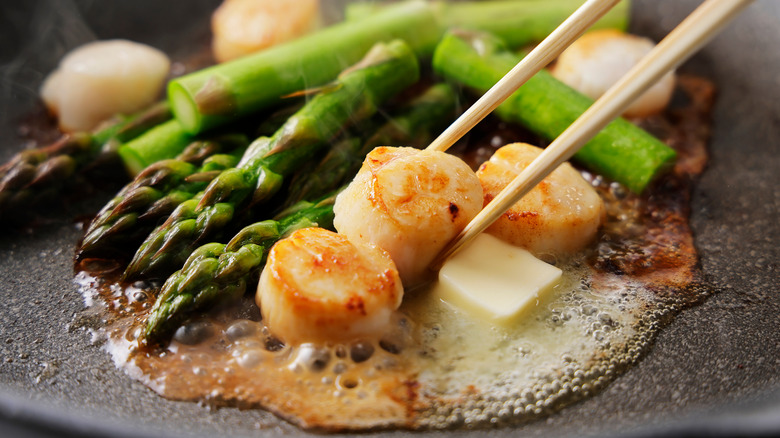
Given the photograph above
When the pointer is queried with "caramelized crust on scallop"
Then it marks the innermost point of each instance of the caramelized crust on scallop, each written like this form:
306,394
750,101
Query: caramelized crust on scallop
318,286
410,203
559,216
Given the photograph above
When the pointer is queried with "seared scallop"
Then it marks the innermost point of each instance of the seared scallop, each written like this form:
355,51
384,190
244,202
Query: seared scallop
241,27
559,216
410,203
319,287
597,60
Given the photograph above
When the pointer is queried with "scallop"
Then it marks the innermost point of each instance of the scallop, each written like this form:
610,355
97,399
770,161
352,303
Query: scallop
597,60
104,78
411,203
560,216
318,287
241,27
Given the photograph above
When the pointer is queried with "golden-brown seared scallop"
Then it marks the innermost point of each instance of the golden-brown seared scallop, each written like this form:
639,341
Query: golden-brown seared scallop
241,27
317,286
410,203
559,216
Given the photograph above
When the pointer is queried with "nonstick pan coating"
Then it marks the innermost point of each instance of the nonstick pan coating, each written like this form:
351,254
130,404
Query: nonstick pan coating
715,370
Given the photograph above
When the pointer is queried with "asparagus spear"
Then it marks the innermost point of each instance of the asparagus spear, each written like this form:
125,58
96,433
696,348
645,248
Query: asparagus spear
212,96
217,273
386,70
162,142
521,22
622,151
155,193
517,22
168,139
35,174
415,124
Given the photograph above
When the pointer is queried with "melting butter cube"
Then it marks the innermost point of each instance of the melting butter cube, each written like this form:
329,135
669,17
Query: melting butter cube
496,281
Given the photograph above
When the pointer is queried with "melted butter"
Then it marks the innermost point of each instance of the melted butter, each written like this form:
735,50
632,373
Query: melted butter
463,352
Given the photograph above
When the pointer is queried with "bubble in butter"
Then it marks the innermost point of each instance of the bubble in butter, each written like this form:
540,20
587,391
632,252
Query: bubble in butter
495,281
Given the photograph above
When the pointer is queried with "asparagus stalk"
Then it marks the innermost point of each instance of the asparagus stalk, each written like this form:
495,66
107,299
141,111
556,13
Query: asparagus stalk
216,273
622,151
521,22
517,22
35,174
415,124
155,193
386,70
211,97
168,139
162,142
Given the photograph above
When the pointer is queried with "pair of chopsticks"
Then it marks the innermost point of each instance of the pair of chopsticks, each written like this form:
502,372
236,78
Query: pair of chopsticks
690,35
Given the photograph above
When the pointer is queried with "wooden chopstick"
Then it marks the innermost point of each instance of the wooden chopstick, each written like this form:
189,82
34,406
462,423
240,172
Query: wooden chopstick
697,29
540,57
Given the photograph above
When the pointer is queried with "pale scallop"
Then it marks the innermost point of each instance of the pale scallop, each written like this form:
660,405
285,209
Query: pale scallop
104,78
241,27
319,287
560,216
597,60
410,203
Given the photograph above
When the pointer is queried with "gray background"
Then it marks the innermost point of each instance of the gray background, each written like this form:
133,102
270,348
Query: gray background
713,371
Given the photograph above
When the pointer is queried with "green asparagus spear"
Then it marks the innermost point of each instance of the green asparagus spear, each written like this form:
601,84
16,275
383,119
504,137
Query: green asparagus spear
622,151
162,142
155,193
36,174
520,22
386,70
415,124
211,97
217,273
517,22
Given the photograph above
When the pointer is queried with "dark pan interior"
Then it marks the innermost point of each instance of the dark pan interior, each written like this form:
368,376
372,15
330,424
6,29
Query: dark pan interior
715,370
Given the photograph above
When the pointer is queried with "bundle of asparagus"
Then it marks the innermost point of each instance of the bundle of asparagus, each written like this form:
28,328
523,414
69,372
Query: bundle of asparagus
155,193
387,69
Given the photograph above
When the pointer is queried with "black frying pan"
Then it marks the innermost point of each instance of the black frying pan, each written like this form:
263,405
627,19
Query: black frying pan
715,370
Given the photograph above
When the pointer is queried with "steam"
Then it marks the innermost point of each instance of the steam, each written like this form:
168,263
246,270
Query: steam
41,33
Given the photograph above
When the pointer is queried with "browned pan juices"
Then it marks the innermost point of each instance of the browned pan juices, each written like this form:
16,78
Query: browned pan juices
439,369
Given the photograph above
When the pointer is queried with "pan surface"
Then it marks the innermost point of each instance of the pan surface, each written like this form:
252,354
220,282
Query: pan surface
714,370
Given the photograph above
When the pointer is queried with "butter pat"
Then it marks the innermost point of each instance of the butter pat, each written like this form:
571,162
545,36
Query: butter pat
496,281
